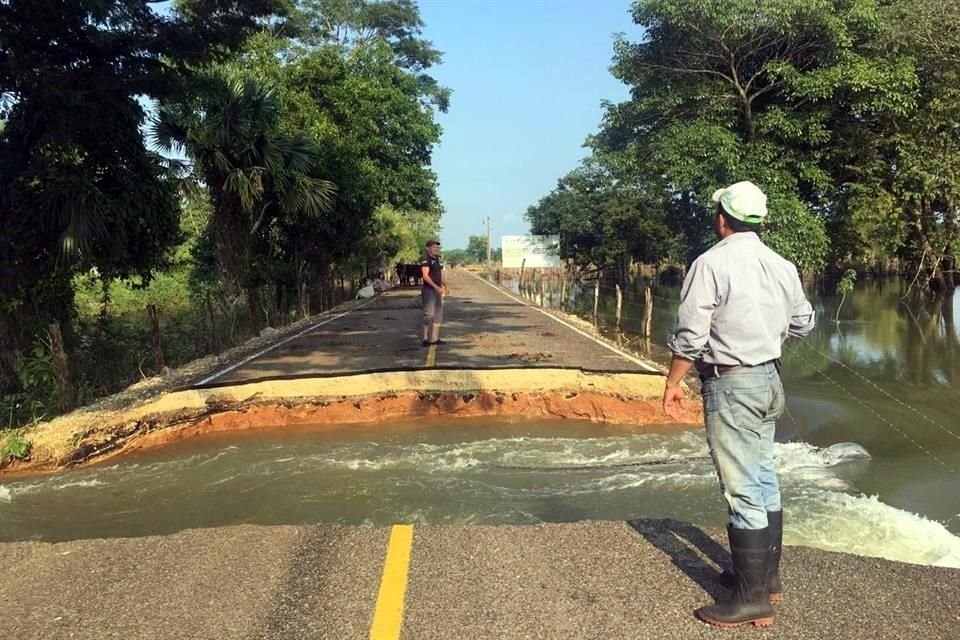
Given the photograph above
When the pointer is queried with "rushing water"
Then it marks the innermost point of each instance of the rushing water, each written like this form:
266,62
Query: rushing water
867,458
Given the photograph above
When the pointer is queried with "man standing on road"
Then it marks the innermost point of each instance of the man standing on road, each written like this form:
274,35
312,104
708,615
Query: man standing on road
740,301
432,292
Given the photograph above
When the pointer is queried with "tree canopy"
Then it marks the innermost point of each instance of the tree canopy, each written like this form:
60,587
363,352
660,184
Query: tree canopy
78,187
307,129
842,111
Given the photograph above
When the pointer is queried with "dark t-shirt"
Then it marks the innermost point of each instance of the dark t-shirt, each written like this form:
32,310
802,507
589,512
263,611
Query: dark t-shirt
435,266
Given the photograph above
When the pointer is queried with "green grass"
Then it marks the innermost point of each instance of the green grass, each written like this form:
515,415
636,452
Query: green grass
109,353
15,446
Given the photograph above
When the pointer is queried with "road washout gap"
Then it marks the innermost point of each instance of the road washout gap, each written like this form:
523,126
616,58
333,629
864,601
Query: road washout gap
331,402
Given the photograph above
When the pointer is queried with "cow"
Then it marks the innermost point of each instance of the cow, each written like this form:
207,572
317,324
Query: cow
408,274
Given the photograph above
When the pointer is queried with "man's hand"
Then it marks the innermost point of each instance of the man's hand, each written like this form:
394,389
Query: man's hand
673,400
673,394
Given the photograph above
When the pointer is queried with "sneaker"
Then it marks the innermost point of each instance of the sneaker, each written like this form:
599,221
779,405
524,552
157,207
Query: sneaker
425,343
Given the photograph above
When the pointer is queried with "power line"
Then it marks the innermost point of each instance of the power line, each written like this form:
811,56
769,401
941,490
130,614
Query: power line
875,413
883,391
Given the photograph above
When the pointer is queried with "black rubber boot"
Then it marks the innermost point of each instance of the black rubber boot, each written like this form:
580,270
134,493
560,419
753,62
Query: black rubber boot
775,525
749,603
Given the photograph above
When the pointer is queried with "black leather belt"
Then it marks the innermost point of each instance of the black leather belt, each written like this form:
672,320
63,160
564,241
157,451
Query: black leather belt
709,371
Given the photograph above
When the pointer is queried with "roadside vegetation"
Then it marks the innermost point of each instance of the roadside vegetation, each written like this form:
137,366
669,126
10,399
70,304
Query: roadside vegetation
176,178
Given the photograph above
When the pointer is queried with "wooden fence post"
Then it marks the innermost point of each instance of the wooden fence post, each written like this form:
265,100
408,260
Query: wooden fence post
214,336
155,335
647,311
61,368
619,305
596,297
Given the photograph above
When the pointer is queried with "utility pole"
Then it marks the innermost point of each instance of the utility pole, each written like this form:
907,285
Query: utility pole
488,243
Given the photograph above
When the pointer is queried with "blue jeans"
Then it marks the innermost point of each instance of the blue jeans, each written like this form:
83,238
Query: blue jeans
741,408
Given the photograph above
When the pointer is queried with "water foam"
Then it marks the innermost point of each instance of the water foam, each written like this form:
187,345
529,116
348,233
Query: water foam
796,462
5,495
81,484
863,525
220,454
521,453
827,513
799,462
625,481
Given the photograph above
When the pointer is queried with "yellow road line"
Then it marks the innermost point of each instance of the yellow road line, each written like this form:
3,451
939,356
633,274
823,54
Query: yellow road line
432,355
388,616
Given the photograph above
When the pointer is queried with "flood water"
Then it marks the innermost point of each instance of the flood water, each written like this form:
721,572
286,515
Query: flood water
883,375
867,456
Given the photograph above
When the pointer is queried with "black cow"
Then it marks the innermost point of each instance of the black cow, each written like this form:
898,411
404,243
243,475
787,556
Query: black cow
408,274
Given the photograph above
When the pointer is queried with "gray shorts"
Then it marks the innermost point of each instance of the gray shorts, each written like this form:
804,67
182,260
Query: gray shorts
432,306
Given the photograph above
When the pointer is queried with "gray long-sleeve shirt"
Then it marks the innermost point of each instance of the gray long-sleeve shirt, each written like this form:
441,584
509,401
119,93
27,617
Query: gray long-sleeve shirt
740,301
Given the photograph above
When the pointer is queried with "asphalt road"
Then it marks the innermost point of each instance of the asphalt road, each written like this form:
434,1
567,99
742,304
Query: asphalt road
483,329
609,580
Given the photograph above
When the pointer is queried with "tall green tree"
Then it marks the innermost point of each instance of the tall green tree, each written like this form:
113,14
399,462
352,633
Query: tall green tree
605,217
476,250
258,177
843,111
350,25
374,132
78,188
924,148
725,91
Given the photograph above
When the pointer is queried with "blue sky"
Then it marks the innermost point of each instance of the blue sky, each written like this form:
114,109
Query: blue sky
528,77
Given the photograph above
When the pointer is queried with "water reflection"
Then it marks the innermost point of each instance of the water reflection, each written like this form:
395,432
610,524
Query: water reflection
884,330
892,337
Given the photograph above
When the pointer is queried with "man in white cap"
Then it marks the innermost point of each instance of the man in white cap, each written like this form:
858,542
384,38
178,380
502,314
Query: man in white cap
739,302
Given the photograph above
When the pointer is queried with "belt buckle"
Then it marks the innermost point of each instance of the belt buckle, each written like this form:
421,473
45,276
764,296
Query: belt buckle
709,372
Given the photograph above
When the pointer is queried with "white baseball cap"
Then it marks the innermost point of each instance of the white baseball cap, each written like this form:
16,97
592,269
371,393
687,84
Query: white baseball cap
744,201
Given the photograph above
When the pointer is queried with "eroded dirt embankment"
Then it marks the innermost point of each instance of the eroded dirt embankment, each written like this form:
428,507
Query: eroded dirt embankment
330,402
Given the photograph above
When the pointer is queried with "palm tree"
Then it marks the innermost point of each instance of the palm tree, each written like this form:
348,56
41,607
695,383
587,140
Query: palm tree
254,173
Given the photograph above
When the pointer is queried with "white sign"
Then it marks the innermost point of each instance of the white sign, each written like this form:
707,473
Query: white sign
532,252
